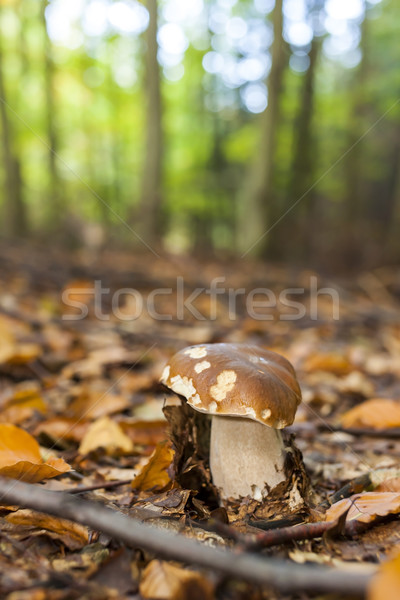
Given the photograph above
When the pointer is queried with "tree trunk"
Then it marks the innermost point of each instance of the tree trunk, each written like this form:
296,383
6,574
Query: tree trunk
256,196
355,199
298,224
151,192
390,241
55,187
14,219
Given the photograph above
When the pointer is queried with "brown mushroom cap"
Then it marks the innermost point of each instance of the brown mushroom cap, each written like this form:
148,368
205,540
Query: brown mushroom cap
237,380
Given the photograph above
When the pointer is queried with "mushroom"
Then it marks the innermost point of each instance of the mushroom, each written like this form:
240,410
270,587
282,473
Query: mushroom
251,394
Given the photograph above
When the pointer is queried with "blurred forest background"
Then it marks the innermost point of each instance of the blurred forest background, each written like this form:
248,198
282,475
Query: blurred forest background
222,127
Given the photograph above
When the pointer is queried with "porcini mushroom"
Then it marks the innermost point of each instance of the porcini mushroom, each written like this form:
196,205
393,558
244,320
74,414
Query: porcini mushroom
251,394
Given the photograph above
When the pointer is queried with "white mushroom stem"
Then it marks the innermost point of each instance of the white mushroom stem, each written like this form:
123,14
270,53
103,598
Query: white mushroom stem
245,456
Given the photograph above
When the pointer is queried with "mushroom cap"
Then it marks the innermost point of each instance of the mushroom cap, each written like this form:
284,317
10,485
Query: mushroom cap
238,380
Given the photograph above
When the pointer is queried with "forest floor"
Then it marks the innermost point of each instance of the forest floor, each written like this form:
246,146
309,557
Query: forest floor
87,391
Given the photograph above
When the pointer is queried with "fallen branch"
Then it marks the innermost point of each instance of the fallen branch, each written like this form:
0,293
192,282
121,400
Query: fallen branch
366,482
389,433
106,485
306,531
282,575
308,428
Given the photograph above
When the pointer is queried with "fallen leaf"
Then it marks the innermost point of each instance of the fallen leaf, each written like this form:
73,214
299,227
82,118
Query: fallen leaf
73,535
119,572
93,404
164,581
377,413
105,433
356,383
390,485
98,360
144,433
20,457
7,346
24,353
77,297
385,585
154,474
172,501
22,405
365,507
330,362
63,428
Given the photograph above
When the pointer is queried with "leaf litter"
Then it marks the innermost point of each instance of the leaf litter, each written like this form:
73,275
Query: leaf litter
80,401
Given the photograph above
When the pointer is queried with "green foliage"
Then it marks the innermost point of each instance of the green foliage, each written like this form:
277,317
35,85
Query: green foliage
99,126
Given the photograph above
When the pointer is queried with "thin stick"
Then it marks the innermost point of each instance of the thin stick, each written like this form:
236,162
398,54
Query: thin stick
282,575
106,485
389,433
364,482
306,531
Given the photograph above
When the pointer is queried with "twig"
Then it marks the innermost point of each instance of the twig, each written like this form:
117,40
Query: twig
106,485
222,529
311,428
364,482
307,531
389,433
282,575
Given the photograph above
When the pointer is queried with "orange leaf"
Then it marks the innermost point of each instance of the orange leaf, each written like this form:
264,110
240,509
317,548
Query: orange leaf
7,347
95,404
154,474
330,362
377,413
365,507
145,433
105,433
62,428
74,535
390,485
385,585
164,581
24,353
20,457
22,406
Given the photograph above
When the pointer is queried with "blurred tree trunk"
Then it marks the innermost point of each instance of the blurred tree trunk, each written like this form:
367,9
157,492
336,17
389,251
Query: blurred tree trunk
14,219
390,211
299,222
151,187
355,200
256,196
55,199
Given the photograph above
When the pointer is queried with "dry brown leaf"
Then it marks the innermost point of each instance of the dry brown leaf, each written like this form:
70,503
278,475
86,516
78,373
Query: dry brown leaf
154,474
385,585
7,347
73,535
330,362
96,361
62,428
164,581
12,352
356,383
365,507
377,413
390,485
144,433
93,404
16,414
79,294
24,353
105,433
20,457
38,593
22,406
